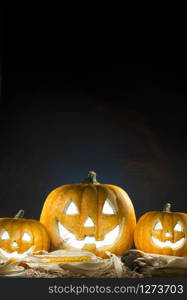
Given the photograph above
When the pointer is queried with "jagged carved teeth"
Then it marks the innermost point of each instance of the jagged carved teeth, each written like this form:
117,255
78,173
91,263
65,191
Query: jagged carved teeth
15,254
169,244
70,239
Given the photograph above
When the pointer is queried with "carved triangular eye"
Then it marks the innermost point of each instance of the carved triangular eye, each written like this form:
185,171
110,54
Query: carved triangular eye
89,223
26,237
5,235
158,226
178,227
72,209
108,209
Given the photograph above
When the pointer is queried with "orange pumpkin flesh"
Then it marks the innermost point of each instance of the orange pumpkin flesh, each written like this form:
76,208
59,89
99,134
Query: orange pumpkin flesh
88,226
18,235
162,232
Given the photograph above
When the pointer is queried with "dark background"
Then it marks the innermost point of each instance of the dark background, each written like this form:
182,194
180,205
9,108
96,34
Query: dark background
73,99
65,111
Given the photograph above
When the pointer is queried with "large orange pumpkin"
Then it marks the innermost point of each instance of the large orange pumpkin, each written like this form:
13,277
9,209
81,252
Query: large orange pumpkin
20,237
162,232
90,216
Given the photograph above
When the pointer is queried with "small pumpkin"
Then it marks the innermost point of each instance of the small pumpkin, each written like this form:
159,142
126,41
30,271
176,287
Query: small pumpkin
89,216
162,232
20,237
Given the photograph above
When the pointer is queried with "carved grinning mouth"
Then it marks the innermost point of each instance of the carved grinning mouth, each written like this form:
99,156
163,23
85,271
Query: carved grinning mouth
71,240
15,254
169,244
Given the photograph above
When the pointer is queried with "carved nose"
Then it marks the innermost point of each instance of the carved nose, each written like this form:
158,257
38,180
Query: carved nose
89,223
15,245
167,234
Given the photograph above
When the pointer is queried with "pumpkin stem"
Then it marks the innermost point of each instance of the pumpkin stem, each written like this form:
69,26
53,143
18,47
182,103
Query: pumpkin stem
167,207
91,177
20,214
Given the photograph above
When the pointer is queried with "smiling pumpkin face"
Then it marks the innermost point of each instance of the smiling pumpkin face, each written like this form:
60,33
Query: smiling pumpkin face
162,232
90,216
20,237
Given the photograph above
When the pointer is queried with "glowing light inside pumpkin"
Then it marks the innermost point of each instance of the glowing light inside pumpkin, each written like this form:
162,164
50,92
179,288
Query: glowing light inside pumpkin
158,226
169,244
167,234
15,245
5,236
71,240
178,227
15,254
89,223
72,209
26,237
107,208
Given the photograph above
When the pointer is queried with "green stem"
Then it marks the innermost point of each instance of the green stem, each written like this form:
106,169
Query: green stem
91,177
20,214
167,207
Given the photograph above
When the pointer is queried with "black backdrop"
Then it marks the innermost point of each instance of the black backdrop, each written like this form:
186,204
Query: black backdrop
125,121
65,111
70,102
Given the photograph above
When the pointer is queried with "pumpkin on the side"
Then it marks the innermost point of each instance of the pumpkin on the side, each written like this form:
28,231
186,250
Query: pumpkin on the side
163,232
20,237
90,216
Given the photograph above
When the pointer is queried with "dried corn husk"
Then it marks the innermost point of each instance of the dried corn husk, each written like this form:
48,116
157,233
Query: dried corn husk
77,262
65,263
10,267
155,265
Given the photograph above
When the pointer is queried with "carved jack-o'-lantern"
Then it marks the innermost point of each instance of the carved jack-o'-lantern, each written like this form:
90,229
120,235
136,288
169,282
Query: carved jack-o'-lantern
20,237
162,232
90,216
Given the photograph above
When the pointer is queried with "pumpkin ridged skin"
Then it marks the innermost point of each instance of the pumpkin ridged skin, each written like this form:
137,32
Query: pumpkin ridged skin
145,229
89,198
16,227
